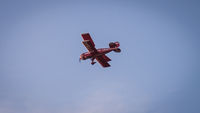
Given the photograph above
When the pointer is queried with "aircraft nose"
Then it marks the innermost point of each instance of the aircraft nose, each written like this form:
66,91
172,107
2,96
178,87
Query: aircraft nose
81,57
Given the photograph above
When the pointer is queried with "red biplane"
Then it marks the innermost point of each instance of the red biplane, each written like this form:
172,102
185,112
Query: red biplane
98,54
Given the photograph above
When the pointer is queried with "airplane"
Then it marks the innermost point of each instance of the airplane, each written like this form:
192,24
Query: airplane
98,54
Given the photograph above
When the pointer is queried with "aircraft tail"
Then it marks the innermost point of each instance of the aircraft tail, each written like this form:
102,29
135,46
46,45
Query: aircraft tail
114,44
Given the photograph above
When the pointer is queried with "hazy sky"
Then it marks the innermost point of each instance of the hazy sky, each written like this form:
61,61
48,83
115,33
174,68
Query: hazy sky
158,70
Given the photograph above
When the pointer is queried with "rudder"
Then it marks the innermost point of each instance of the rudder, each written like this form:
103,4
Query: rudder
114,44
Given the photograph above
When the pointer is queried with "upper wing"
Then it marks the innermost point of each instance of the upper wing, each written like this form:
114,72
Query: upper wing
88,42
89,46
102,61
86,36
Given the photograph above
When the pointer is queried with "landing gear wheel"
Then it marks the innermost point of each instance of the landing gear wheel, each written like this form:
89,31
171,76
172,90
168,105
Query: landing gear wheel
93,63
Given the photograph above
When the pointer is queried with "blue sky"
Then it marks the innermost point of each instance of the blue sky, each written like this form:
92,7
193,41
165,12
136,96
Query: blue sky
157,70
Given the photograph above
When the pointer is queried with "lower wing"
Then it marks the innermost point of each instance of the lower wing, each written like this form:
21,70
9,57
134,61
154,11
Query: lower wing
104,62
106,58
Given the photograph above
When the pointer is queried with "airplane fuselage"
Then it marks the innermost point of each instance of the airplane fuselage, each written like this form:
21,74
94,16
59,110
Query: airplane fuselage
99,52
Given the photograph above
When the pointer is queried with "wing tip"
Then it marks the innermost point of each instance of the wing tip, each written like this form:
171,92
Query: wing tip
85,34
106,66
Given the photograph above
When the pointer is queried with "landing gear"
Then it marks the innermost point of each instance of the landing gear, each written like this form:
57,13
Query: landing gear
93,61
